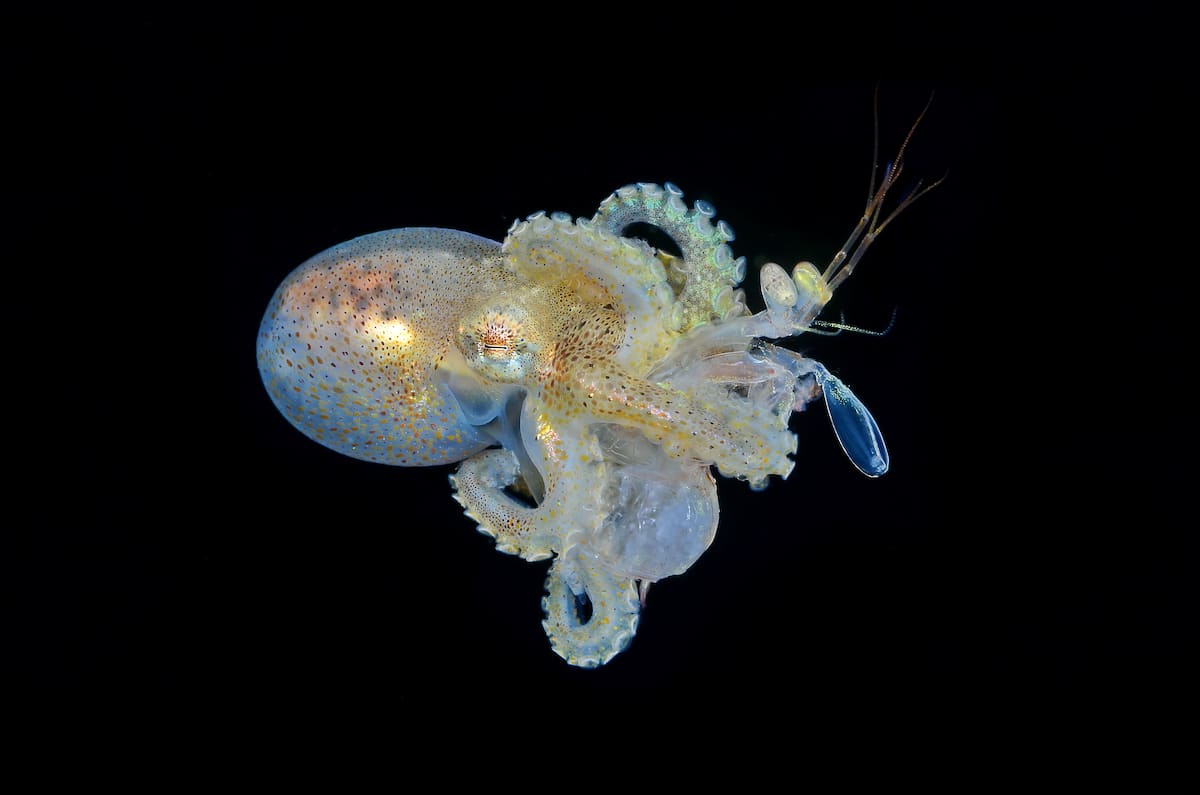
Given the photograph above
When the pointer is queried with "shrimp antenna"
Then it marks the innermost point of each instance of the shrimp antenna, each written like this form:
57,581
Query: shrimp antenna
870,225
842,326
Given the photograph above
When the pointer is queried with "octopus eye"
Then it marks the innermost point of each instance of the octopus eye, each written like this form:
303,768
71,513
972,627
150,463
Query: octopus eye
495,342
499,337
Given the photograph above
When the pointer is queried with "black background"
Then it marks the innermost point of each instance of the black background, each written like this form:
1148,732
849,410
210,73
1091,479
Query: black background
1022,560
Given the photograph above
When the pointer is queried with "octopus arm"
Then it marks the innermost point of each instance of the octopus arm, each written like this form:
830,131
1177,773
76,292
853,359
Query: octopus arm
479,487
711,423
591,613
628,273
556,464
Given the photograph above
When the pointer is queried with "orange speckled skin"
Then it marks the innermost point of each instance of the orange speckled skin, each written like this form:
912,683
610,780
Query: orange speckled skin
587,372
350,342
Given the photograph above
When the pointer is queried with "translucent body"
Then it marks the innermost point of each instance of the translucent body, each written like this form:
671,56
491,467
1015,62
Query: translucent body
585,371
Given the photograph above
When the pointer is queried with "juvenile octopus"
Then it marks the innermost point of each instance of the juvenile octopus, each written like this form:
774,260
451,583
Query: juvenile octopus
587,382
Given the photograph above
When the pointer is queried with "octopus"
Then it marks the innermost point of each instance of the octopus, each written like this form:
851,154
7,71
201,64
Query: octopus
587,383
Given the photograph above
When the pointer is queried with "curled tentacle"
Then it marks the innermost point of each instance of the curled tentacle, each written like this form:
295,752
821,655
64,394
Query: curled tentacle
567,510
591,613
708,272
479,486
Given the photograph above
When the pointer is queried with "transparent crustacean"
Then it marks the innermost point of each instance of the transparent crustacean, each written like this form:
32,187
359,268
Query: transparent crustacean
587,382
